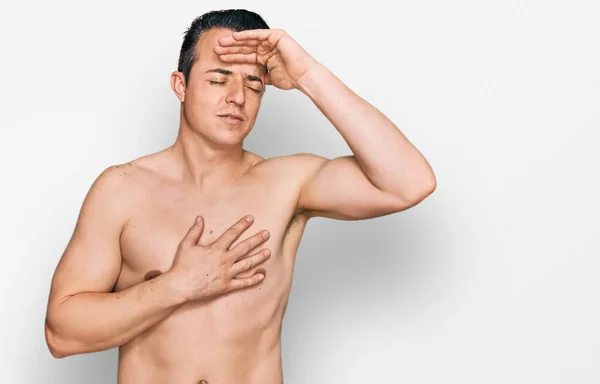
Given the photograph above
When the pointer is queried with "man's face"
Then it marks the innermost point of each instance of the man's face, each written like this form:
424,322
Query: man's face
216,88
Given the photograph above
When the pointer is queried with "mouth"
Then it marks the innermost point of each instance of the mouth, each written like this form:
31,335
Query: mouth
233,117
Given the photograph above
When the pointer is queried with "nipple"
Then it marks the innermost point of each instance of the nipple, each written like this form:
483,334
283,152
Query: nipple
151,275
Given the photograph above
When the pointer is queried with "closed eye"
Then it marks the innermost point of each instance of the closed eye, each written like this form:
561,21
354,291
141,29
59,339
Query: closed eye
222,82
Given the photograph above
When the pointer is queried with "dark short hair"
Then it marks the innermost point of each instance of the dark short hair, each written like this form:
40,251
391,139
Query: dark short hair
234,19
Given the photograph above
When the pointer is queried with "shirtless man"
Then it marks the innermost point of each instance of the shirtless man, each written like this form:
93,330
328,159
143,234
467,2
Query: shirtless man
154,266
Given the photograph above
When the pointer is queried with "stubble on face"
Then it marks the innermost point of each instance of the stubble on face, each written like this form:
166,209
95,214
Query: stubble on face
217,88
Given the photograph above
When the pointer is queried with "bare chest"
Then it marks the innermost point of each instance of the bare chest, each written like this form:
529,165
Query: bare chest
163,216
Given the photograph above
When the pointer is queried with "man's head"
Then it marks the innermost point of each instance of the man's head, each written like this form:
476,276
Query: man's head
209,88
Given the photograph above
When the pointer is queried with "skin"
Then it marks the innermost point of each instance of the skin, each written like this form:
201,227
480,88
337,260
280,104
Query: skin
163,263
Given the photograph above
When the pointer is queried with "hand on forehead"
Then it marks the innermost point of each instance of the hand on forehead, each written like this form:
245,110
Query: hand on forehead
206,48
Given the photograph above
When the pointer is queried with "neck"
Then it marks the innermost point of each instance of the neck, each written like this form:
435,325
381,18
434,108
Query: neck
203,164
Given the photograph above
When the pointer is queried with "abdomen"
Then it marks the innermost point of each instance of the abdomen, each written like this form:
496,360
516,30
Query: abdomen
234,334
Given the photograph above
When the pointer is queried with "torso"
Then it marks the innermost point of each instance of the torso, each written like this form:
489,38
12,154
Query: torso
236,337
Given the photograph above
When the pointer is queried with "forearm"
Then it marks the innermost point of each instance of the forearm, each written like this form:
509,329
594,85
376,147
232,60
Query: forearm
91,321
385,155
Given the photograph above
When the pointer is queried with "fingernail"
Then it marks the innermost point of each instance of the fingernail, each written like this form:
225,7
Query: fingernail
249,219
260,277
267,253
198,219
266,235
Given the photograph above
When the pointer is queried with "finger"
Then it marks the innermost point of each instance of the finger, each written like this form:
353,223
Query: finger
239,58
192,237
231,234
249,244
234,49
268,38
240,283
253,34
250,262
229,41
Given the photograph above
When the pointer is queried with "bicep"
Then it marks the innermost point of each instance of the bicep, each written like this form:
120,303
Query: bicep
91,261
339,189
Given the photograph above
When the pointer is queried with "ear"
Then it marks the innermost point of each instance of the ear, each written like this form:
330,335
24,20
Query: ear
178,85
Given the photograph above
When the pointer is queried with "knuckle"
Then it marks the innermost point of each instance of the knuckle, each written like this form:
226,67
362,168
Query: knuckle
222,276
223,258
245,248
253,241
258,238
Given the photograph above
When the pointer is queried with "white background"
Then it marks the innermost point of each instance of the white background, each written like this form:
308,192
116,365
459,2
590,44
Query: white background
492,279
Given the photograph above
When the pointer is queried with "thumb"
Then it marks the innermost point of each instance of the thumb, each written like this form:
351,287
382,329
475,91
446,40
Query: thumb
194,233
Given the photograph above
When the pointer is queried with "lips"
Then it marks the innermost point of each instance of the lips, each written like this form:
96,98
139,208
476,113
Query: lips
232,116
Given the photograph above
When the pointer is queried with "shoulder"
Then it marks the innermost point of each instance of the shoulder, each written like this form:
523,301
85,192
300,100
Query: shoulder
115,190
112,180
299,166
136,176
110,187
117,178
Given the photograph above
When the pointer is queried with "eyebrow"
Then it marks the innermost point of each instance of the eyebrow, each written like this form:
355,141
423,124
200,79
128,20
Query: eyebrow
228,72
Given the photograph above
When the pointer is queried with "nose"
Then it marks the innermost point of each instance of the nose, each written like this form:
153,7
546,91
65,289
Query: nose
235,93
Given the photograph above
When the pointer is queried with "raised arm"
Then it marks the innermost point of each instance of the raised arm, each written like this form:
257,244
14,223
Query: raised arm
386,173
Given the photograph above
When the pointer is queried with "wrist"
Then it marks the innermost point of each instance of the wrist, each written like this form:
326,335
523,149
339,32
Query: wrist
177,291
310,78
316,80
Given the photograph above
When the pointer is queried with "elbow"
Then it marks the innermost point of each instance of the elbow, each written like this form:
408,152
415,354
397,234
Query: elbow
419,193
53,344
56,344
426,187
430,186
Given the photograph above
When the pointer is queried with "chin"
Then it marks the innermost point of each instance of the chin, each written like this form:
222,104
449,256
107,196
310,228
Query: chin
227,138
